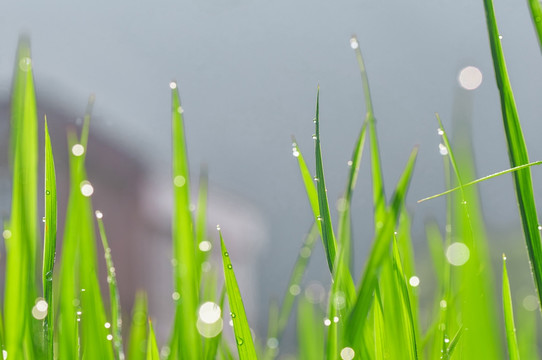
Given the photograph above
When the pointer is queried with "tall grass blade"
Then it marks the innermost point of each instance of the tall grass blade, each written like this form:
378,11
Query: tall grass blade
184,247
310,332
138,328
381,246
212,344
517,150
381,350
201,223
21,244
536,15
114,299
513,349
49,243
152,347
243,337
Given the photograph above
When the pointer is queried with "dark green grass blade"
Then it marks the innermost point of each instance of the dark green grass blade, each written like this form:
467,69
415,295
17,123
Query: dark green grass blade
243,337
517,151
114,299
152,347
49,242
534,163
328,237
360,310
21,246
513,349
184,247
409,327
138,328
310,332
379,199
536,15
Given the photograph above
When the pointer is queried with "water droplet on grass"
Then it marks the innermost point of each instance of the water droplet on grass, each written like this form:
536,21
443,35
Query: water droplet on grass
99,214
354,43
229,266
314,136
86,188
25,64
295,289
414,281
233,315
78,150
226,254
173,85
347,353
443,150
272,343
440,131
240,341
47,192
457,254
327,322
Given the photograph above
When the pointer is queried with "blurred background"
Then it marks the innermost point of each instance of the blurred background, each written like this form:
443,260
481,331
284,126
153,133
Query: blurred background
247,71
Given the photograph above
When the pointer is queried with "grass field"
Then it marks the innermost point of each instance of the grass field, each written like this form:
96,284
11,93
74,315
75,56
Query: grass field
55,308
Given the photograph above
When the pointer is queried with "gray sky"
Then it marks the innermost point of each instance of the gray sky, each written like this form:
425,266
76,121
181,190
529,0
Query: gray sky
247,74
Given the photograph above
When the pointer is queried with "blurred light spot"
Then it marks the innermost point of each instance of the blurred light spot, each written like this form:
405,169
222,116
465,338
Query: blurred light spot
99,214
272,343
347,353
192,207
327,322
305,252
86,188
457,254
109,337
209,312
205,266
78,150
295,289
315,293
339,300
175,296
341,204
442,149
335,319
443,304
25,64
173,85
164,352
180,110
107,325
6,234
209,330
39,311
442,326
414,281
530,302
4,354
218,227
354,43
230,322
349,163
440,131
446,340
205,245
295,152
179,181
470,78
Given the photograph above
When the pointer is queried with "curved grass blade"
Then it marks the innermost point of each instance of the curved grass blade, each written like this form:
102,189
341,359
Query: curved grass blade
49,243
536,15
513,349
360,309
243,337
138,328
114,299
534,163
184,247
21,244
517,151
152,347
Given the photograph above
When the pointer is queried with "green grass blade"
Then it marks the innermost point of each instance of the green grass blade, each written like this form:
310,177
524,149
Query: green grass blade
517,151
114,299
310,332
21,246
152,347
379,330
49,242
184,247
534,163
212,344
536,15
243,336
513,349
381,245
328,237
453,344
204,245
138,328
527,334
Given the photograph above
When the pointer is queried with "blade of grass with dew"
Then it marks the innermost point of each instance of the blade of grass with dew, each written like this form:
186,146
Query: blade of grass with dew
358,315
114,299
21,245
204,245
379,199
184,247
310,331
453,344
138,328
212,344
152,347
536,15
513,349
293,289
49,242
243,336
408,323
517,151
477,309
534,163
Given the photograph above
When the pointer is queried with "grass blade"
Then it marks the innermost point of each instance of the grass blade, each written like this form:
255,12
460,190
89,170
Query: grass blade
513,349
243,337
184,247
49,242
517,151
138,328
453,344
536,15
310,332
114,299
152,347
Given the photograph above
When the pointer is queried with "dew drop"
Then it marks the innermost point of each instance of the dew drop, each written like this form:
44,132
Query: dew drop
226,254
99,214
25,64
6,234
500,37
47,192
354,43
295,153
233,315
314,120
327,322
349,163
272,343
295,289
218,227
440,131
314,136
78,150
43,219
109,337
240,341
443,150
347,353
229,266
414,281
173,85
539,227
175,296
86,188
